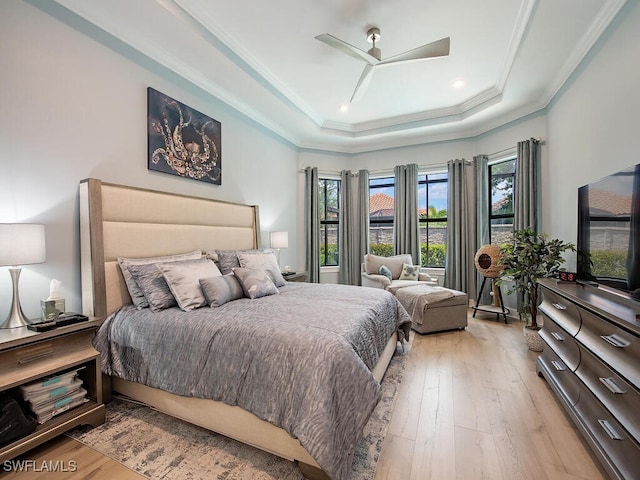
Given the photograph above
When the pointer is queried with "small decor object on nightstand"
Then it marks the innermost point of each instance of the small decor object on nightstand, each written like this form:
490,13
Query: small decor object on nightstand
20,244
54,304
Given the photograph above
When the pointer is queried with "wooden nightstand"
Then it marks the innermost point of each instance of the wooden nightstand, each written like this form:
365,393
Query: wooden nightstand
26,356
296,277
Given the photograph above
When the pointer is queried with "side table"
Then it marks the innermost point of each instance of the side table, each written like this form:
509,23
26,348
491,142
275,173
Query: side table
296,277
26,356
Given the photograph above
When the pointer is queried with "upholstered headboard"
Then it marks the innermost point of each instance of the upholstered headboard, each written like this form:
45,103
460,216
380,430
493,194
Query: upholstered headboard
122,221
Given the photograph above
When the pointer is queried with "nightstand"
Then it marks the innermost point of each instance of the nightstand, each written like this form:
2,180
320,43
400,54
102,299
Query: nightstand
296,277
26,356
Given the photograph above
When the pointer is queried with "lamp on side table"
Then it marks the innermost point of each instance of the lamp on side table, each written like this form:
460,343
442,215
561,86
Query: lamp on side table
20,244
277,241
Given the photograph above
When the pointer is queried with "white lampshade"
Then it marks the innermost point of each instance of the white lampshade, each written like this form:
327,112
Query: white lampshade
21,244
279,239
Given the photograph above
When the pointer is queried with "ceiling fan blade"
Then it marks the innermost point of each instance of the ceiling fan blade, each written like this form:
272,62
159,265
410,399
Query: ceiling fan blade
347,48
439,48
363,83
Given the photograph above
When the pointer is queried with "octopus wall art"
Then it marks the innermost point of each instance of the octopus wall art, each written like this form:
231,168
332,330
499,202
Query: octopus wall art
183,141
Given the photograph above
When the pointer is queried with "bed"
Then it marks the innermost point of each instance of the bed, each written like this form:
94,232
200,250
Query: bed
121,221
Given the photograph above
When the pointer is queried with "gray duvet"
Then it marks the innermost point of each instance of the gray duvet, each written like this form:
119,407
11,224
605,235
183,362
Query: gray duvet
300,359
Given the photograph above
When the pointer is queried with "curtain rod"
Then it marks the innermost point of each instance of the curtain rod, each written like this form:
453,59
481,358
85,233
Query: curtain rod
386,170
423,167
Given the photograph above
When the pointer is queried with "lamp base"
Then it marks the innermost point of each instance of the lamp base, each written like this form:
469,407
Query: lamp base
16,317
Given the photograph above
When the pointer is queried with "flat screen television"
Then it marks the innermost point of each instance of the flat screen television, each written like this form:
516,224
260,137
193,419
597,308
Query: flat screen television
608,245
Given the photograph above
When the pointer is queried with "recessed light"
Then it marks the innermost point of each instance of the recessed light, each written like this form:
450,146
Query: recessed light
343,107
458,84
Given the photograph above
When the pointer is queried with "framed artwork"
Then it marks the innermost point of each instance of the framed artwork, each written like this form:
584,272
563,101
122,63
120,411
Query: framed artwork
182,141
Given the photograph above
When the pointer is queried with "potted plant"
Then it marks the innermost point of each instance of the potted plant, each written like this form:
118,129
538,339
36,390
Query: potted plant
530,257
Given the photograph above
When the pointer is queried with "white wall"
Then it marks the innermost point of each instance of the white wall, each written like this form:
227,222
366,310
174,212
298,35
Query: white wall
73,108
594,123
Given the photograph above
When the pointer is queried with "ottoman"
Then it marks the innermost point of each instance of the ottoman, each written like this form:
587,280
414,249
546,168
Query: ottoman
434,309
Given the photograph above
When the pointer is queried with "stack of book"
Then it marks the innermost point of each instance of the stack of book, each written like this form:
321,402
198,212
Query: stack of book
54,395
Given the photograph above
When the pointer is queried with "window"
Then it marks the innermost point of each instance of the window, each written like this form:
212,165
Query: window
381,213
329,204
501,182
432,212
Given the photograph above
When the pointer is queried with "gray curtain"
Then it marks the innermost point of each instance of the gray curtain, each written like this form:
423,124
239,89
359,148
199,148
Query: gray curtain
363,219
525,211
312,224
347,245
459,258
406,228
481,173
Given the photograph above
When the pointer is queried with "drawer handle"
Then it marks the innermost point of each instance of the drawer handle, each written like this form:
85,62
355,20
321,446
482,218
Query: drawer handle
559,306
557,336
611,384
607,427
615,340
37,352
558,366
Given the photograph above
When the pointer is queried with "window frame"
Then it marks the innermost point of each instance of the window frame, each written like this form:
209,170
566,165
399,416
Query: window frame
423,179
323,241
389,222
503,216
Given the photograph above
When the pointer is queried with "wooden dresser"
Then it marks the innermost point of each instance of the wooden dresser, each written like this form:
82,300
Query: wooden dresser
591,359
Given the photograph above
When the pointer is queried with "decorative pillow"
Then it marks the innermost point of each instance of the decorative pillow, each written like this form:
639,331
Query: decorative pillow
137,295
183,280
228,259
257,259
152,283
276,275
410,272
221,289
255,282
384,270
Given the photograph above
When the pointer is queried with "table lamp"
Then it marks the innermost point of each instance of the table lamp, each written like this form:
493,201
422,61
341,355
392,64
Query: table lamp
20,244
277,241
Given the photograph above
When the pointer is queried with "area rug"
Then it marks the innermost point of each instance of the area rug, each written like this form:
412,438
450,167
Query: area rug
161,447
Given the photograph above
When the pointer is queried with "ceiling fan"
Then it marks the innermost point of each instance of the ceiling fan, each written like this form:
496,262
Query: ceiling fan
373,57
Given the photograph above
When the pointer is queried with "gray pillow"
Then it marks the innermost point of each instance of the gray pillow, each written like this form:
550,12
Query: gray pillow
183,280
221,289
255,282
228,260
275,274
152,283
257,259
137,295
384,270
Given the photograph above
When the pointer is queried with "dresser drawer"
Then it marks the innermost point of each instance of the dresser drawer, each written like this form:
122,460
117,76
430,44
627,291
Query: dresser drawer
563,378
20,365
612,344
612,442
564,312
620,398
563,344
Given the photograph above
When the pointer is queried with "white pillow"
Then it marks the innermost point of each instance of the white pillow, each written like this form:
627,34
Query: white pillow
410,272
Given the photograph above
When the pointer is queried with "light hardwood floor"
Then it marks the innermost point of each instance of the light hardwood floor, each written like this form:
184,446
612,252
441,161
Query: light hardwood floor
471,406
